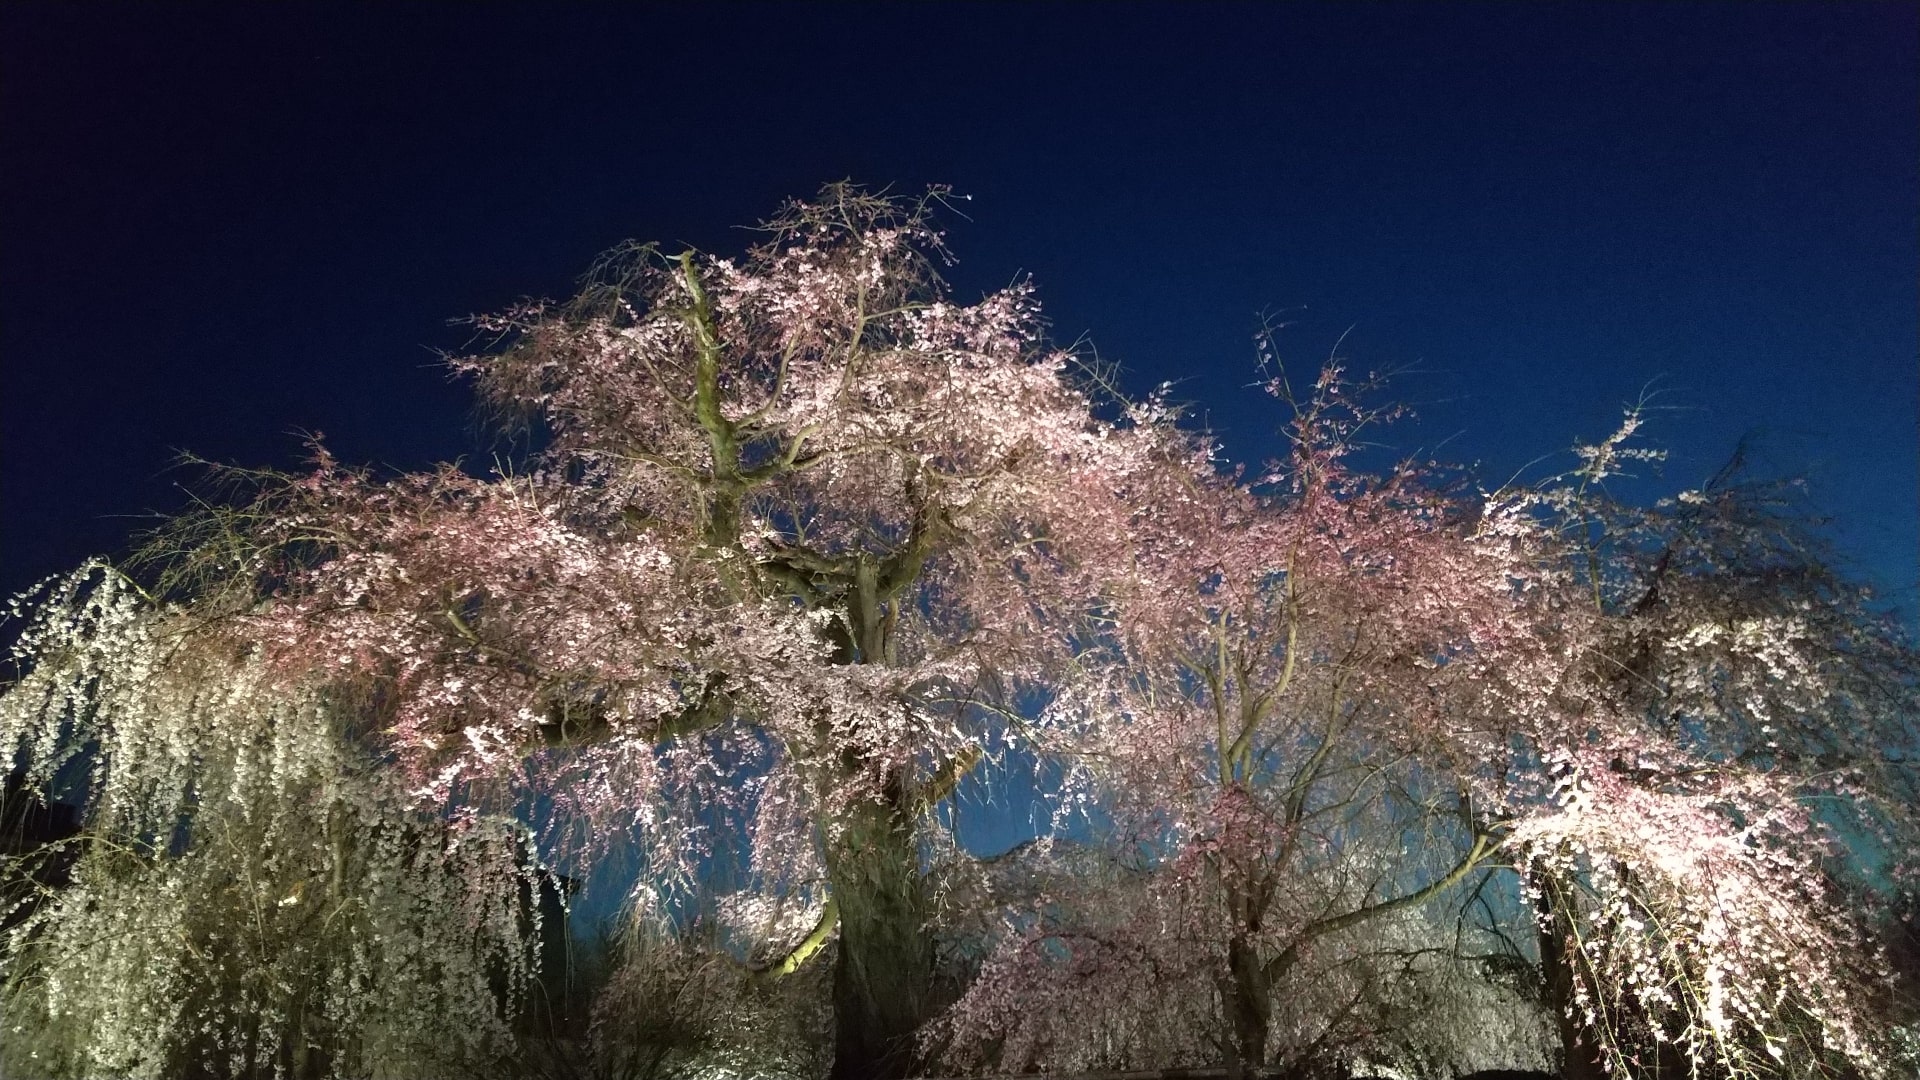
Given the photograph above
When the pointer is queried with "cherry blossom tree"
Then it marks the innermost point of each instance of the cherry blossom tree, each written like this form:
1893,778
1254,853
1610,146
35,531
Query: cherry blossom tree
1734,788
1354,696
803,533
253,896
1284,744
806,543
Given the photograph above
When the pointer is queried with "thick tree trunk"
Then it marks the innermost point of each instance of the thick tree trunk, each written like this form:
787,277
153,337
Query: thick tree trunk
1580,1059
1248,1004
883,969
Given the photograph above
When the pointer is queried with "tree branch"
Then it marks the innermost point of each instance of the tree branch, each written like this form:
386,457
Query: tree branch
815,940
1482,848
942,783
723,522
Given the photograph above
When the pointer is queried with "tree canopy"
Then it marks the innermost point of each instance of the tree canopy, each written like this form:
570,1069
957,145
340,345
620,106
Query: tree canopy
1343,767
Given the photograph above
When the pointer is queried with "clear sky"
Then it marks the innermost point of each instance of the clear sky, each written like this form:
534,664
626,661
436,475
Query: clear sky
222,225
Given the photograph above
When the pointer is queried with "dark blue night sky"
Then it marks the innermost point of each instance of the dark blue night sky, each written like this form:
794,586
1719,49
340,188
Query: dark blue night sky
225,225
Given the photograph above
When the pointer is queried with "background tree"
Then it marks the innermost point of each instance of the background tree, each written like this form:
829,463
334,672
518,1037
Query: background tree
1734,783
252,896
1282,748
1674,722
